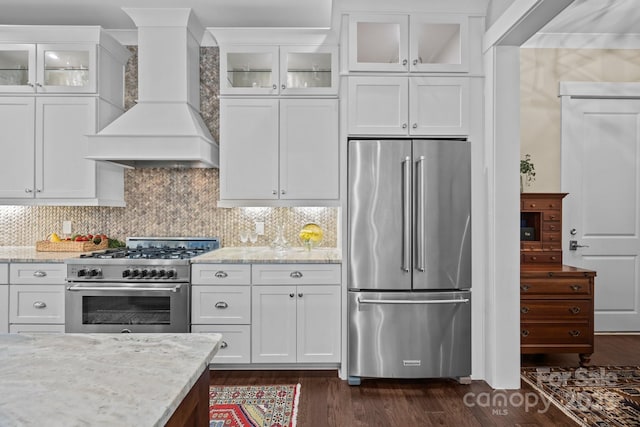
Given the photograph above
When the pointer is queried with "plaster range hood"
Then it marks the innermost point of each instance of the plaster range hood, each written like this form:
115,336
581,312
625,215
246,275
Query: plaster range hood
164,128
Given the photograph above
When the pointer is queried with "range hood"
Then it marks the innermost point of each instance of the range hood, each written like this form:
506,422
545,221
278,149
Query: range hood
164,128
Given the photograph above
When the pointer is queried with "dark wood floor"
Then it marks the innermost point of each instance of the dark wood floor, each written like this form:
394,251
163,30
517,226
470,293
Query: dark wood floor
326,400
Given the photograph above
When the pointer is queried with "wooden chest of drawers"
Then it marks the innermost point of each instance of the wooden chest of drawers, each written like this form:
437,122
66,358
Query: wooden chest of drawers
556,310
541,214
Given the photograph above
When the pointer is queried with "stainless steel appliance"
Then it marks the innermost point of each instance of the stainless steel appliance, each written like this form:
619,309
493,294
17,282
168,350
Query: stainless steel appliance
409,259
144,287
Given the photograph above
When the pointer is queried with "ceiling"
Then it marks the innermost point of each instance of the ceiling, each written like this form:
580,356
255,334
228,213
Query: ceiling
210,13
597,16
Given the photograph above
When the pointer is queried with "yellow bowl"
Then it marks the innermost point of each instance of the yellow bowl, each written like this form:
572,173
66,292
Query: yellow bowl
310,235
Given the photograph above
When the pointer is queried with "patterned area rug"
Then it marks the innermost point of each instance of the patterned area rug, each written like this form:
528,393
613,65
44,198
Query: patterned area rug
603,396
253,406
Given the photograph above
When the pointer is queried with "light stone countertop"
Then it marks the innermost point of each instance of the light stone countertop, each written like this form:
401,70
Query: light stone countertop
70,380
29,254
264,255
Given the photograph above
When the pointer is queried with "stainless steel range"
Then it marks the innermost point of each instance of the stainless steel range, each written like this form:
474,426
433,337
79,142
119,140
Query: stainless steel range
144,287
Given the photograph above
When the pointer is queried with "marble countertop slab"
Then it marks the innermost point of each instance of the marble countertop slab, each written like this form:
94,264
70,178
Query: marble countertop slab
98,379
265,255
29,254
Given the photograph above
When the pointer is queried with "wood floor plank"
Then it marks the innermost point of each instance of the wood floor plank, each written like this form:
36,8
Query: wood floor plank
328,401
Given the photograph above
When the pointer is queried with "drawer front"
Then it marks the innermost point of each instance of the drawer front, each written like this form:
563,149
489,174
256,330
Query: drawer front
235,346
556,246
531,246
550,237
566,333
37,273
578,310
552,216
295,274
36,304
221,274
543,257
4,274
36,329
541,204
555,287
552,226
220,304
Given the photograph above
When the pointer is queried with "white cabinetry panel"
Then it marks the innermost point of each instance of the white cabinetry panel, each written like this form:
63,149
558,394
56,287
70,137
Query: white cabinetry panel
235,346
318,322
17,138
221,274
30,273
296,274
274,324
36,304
220,304
4,299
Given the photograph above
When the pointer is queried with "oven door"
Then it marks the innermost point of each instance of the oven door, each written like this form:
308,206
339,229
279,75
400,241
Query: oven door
127,307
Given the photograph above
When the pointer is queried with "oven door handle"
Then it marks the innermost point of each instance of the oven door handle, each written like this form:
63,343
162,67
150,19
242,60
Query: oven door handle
175,288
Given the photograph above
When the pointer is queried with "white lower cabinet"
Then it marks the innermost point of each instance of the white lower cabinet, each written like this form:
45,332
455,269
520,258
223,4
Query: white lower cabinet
235,346
4,298
36,297
296,324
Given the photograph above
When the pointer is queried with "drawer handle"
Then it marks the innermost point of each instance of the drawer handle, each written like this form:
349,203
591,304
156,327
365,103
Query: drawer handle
39,273
533,258
532,205
524,310
221,304
553,258
575,310
296,274
300,295
223,345
552,217
40,304
525,333
574,333
525,288
576,288
291,295
221,274
552,227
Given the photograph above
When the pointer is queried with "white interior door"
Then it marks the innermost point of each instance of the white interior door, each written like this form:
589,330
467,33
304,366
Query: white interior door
600,171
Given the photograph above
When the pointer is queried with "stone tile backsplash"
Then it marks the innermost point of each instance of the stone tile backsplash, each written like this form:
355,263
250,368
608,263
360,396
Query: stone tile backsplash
168,202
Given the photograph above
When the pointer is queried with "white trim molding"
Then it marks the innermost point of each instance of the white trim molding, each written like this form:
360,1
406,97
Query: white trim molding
599,90
583,41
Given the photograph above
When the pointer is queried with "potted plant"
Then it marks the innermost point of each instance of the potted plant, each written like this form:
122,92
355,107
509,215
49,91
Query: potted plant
527,172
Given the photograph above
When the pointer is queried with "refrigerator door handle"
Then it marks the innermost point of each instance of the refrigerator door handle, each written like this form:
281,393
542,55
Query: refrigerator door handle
420,250
402,301
406,215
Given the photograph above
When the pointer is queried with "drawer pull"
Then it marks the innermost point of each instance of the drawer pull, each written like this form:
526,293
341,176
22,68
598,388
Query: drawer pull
291,295
576,288
553,258
296,274
524,310
525,333
221,274
574,333
300,295
575,310
40,304
223,344
39,273
221,304
525,288
552,217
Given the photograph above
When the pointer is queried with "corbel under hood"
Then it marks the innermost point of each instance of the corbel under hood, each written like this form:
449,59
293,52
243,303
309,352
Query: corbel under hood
163,129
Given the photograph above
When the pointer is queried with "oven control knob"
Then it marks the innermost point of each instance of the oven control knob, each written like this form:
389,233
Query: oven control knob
135,272
82,272
144,273
171,274
161,273
95,272
127,273
153,273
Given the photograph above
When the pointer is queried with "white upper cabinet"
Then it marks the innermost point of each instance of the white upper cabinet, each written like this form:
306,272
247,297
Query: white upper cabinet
278,70
409,43
48,68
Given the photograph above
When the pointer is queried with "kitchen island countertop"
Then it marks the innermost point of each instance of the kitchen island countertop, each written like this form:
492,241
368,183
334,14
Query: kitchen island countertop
266,255
98,379
29,254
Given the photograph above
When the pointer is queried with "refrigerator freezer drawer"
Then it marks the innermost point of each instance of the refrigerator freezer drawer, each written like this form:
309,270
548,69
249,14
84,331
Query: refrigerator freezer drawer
409,334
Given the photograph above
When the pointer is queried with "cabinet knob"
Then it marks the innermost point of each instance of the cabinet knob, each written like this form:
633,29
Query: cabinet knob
576,288
524,310
295,274
405,62
28,190
39,84
574,333
275,86
291,295
524,333
575,310
221,274
30,84
223,344
274,192
284,87
40,304
404,126
415,126
525,288
283,192
221,305
415,62
300,295
38,190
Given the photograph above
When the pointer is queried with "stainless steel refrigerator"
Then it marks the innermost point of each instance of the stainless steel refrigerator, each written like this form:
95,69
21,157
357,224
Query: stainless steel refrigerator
409,258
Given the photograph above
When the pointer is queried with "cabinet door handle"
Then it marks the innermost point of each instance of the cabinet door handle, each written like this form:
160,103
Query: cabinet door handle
284,87
405,62
275,86
283,192
274,192
30,84
525,333
221,274
415,62
223,344
38,84
524,310
28,190
40,304
291,295
576,288
295,274
300,295
39,273
525,288
221,305
415,126
404,126
575,310
574,333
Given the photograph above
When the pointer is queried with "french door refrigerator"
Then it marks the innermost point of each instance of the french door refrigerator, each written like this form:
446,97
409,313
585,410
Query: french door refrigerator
409,259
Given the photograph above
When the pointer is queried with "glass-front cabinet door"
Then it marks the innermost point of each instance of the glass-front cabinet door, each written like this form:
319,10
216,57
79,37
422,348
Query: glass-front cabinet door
378,43
439,43
66,68
17,68
249,70
308,70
